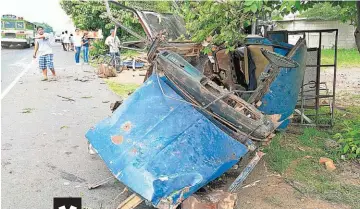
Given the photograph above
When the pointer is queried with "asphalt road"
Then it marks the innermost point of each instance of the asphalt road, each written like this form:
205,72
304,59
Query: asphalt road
13,62
43,148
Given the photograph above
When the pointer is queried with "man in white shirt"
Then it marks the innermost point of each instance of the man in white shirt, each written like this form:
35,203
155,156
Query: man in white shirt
113,42
62,36
67,41
77,46
44,50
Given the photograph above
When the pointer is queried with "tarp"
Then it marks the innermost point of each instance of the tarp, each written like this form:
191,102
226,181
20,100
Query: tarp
162,148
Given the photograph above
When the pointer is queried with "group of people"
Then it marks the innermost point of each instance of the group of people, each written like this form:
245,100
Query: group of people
76,43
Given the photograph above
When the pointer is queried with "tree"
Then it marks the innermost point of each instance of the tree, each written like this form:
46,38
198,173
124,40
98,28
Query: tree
91,15
348,11
223,21
47,27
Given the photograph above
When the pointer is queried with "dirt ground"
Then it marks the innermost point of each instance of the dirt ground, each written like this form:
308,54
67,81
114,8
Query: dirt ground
130,76
347,85
264,189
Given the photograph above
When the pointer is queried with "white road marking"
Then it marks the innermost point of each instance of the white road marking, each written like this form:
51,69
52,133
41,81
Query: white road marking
7,90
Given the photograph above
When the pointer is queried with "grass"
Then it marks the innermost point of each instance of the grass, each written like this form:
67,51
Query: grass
345,57
126,54
296,157
122,89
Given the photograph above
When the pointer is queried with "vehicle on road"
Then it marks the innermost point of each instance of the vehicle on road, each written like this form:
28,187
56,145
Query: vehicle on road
57,37
15,31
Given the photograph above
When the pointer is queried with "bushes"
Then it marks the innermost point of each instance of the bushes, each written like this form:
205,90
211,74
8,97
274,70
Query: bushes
349,138
97,47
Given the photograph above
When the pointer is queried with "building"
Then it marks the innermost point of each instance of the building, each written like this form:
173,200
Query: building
346,37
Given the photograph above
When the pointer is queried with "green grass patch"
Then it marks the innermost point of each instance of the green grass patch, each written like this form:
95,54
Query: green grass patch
126,54
122,89
345,57
296,157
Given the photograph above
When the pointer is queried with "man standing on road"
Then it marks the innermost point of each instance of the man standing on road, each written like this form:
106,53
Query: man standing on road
62,36
67,41
77,45
43,48
114,43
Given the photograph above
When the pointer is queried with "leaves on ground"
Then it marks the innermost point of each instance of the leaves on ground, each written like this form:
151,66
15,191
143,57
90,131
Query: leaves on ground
27,110
122,89
86,97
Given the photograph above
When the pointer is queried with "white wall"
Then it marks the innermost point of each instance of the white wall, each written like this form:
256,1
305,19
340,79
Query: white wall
346,37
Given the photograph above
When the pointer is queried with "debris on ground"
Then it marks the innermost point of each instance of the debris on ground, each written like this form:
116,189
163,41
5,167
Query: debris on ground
105,71
81,80
27,110
329,163
64,127
217,199
66,98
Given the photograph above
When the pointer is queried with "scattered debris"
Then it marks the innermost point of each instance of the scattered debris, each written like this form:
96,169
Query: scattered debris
86,97
63,127
66,98
323,160
216,199
252,184
105,71
66,183
244,174
115,105
81,80
329,163
27,110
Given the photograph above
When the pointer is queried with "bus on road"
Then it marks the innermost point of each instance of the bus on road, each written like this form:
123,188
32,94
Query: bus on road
15,31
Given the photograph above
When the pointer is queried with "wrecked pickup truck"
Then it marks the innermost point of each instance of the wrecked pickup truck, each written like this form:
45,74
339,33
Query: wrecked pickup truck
197,115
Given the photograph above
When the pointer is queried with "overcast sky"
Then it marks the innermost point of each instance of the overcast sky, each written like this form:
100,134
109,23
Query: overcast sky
48,11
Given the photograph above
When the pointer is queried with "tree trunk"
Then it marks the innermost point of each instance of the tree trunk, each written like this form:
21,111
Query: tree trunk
357,31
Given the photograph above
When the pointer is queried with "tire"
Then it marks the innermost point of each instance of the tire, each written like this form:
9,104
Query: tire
27,45
118,68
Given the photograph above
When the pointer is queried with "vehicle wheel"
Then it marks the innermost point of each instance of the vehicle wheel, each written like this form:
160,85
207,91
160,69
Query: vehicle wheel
27,45
118,67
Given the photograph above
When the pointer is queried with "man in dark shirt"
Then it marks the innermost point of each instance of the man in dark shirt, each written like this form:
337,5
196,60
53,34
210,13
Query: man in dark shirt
85,45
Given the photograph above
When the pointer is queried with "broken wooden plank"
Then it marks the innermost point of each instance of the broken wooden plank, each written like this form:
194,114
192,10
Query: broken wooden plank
130,202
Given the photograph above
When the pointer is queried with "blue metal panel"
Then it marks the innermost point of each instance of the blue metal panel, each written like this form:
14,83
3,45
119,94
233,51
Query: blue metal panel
284,90
161,148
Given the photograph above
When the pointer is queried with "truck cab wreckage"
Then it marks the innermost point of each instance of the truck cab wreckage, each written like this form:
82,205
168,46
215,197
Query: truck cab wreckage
196,115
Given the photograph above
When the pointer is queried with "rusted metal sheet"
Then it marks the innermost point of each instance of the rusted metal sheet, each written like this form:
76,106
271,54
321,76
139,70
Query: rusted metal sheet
238,113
